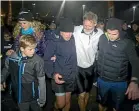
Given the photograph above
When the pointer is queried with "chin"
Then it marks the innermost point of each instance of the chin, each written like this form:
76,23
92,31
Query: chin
67,39
30,55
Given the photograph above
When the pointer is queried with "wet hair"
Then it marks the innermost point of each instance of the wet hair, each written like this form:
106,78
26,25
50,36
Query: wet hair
90,16
27,41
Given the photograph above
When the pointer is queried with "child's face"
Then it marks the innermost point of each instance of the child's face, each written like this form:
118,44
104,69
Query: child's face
24,24
66,35
135,27
28,51
7,37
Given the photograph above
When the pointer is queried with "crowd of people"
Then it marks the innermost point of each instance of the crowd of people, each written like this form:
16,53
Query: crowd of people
66,58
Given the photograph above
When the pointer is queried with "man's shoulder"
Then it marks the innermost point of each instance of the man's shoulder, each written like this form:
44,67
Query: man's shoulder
78,28
103,38
99,31
14,56
128,42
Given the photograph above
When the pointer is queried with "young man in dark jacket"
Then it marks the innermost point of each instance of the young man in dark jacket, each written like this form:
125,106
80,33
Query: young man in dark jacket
115,52
63,70
27,75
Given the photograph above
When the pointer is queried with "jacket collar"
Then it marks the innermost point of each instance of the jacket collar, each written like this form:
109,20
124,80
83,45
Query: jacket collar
94,31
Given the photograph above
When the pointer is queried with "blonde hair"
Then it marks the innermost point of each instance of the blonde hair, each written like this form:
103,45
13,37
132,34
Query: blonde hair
36,25
90,16
27,41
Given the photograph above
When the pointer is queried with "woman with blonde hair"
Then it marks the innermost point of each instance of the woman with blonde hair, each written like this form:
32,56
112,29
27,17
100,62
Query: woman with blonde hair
27,26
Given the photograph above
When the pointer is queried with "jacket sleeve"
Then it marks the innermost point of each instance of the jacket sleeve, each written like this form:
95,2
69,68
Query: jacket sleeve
42,87
48,53
41,45
5,71
15,45
41,80
133,59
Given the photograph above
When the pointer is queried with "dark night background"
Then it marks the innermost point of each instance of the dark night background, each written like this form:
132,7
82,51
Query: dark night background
73,9
123,9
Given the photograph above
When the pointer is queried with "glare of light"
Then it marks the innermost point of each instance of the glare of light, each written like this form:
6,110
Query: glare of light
61,9
33,4
134,7
29,10
83,6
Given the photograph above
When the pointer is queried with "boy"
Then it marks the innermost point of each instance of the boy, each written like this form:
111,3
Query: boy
63,71
27,75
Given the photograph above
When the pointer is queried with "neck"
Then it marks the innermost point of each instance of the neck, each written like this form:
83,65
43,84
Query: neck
26,28
23,55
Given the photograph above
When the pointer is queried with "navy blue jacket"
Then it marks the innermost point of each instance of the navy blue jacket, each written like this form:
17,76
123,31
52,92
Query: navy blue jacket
66,60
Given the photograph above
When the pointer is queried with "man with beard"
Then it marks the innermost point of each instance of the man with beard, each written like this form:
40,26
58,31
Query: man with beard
86,40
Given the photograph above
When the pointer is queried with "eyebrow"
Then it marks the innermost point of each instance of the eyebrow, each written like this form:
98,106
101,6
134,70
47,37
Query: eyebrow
112,34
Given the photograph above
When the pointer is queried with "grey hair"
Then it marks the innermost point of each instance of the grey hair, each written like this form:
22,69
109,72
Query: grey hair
90,16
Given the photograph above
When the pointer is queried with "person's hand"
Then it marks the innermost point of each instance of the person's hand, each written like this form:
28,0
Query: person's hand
58,78
132,91
9,52
3,86
53,58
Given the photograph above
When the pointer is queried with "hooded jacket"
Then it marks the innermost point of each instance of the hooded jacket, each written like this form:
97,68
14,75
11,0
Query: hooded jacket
66,61
114,56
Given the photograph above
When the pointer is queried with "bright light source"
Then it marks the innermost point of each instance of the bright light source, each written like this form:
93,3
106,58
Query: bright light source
61,9
33,4
83,6
134,7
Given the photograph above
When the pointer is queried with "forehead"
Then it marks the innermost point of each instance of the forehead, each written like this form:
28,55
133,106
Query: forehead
31,47
134,25
88,22
23,22
112,31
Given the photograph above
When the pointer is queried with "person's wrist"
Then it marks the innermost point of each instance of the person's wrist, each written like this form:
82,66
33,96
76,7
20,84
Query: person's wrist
54,75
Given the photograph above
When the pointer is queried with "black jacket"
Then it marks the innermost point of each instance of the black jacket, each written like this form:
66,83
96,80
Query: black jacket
66,60
27,74
114,57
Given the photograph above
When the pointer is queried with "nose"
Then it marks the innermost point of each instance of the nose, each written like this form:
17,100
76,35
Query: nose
87,27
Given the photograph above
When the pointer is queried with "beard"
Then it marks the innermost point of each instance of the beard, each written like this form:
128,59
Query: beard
88,32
